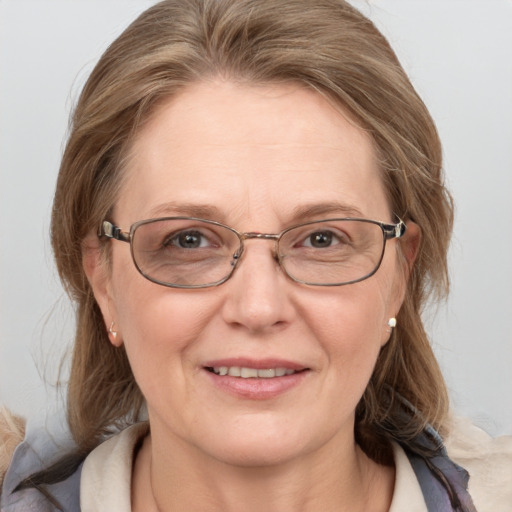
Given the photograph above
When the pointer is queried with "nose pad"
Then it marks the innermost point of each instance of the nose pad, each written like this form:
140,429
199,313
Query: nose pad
237,257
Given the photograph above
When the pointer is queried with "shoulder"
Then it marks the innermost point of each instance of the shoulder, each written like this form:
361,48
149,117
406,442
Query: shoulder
487,460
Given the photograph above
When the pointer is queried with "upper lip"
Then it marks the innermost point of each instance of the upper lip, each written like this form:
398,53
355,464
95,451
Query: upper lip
258,364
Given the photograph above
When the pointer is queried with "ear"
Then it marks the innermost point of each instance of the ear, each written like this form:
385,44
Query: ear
96,269
410,245
407,254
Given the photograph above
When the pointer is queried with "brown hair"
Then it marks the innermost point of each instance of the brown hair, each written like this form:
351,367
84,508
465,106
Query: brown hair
325,45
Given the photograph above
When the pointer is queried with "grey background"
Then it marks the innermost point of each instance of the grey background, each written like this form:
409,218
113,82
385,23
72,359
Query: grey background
459,56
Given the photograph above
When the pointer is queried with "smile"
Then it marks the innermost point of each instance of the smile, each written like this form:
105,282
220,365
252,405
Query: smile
250,373
250,379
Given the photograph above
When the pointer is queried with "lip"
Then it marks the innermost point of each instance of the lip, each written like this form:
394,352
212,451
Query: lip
259,364
256,388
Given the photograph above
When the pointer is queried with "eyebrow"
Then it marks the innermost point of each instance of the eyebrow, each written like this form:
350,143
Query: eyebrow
299,213
304,212
203,211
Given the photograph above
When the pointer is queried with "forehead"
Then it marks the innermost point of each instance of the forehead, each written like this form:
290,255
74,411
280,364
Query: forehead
250,151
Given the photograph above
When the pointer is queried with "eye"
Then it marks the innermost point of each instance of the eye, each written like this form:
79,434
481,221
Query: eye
322,239
319,239
191,239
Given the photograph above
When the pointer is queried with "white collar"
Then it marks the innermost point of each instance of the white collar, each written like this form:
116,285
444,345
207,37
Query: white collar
106,476
407,494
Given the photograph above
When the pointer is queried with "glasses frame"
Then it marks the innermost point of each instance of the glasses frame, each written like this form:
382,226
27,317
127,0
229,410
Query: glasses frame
389,231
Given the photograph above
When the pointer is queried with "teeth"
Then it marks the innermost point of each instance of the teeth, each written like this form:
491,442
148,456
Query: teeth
234,371
246,373
251,373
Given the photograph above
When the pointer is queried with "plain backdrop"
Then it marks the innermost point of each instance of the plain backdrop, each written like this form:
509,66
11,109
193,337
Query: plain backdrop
458,54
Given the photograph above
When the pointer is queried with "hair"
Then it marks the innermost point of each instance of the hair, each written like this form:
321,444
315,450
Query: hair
324,45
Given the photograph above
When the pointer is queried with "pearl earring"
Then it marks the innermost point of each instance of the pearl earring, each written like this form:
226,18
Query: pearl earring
391,324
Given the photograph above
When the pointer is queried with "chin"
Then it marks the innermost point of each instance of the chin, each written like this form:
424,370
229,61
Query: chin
262,444
258,454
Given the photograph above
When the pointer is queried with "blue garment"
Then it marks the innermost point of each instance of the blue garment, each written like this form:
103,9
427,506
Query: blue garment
27,461
443,483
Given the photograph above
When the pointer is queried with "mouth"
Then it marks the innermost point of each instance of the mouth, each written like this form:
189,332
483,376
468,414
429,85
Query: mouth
250,379
245,372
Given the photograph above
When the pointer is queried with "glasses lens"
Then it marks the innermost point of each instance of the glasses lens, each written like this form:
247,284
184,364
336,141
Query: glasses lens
332,252
184,252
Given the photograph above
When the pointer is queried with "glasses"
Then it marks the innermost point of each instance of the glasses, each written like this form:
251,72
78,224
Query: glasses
187,252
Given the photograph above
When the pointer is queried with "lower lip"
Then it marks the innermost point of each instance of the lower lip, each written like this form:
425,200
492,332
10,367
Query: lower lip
257,388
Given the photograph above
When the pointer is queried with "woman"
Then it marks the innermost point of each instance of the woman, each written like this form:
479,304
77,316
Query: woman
250,214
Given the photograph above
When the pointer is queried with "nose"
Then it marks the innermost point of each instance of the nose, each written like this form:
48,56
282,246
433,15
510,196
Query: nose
258,293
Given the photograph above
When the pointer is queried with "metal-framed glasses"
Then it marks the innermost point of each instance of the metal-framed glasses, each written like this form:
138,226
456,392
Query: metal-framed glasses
188,252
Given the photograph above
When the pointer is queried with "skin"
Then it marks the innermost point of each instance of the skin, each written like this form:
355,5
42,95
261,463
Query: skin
255,156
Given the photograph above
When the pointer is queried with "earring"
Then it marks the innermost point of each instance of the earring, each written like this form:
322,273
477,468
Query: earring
112,331
391,323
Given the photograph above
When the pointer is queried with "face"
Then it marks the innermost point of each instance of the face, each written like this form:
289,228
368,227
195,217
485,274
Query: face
257,159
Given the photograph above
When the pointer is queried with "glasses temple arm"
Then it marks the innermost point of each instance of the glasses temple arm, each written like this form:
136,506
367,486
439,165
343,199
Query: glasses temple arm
394,230
110,230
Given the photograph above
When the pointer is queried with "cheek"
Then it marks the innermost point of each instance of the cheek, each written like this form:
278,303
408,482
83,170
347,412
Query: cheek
161,332
350,324
355,312
158,325
156,322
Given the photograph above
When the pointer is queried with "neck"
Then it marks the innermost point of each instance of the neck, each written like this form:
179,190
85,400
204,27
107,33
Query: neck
346,480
